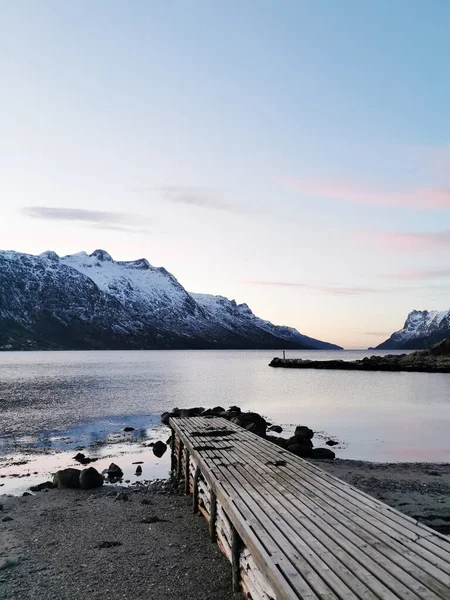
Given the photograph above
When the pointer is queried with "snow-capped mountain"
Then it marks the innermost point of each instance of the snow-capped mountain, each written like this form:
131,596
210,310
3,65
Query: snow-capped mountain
91,301
422,329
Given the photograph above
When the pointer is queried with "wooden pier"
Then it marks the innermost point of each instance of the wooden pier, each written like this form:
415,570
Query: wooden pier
291,530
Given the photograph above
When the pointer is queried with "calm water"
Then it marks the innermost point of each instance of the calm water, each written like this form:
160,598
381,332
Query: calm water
57,400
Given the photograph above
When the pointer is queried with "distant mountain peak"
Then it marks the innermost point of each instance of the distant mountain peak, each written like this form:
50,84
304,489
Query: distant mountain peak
49,254
422,329
102,255
92,301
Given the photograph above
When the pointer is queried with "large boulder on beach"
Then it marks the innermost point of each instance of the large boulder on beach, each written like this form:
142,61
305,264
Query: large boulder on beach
159,449
90,478
67,478
302,450
213,412
323,453
113,471
252,422
276,428
301,431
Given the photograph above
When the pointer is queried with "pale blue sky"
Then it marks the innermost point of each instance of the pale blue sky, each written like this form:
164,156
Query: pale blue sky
294,155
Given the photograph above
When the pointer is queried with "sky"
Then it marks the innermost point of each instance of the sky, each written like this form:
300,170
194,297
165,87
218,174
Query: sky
292,155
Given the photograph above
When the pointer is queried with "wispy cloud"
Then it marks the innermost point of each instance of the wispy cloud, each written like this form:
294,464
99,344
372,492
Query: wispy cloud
115,221
405,241
428,198
416,274
197,196
327,289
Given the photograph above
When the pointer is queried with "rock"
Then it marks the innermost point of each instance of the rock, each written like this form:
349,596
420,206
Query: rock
323,453
275,428
169,440
191,412
214,412
67,478
108,544
165,418
7,518
257,422
155,519
114,471
90,478
302,450
9,561
301,431
279,441
41,486
84,460
159,449
127,429
139,470
26,494
331,443
138,462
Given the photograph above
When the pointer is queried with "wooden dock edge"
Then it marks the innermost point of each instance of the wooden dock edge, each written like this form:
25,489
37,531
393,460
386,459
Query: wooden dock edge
227,527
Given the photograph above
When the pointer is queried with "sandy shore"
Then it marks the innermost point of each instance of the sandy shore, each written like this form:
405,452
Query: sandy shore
73,544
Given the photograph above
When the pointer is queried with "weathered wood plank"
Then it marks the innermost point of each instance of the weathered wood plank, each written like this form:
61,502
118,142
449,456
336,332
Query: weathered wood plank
313,535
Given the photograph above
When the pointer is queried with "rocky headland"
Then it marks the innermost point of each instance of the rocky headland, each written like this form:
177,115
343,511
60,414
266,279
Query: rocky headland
434,360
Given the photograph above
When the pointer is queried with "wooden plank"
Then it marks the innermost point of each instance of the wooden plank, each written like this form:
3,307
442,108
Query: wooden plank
320,557
359,526
294,515
297,515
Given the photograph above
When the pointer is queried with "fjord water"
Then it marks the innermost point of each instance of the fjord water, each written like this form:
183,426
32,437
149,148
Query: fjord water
81,397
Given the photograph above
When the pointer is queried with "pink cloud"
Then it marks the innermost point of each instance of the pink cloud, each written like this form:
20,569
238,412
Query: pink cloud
416,274
431,198
406,242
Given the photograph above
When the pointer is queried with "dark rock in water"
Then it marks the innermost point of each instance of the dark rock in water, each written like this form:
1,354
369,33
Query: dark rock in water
301,431
151,444
169,440
322,453
331,443
159,449
127,429
276,428
84,460
295,439
67,478
90,478
216,411
114,471
165,418
138,462
191,412
139,470
46,485
257,422
279,441
303,450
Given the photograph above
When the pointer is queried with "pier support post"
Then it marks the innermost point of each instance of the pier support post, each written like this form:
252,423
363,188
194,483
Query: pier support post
187,474
195,490
236,547
172,452
180,458
212,515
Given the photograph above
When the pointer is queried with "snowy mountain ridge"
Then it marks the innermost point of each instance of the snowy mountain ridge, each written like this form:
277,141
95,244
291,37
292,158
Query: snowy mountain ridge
422,329
92,301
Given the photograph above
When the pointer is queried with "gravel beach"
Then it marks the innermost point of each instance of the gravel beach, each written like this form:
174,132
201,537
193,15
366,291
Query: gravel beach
74,544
